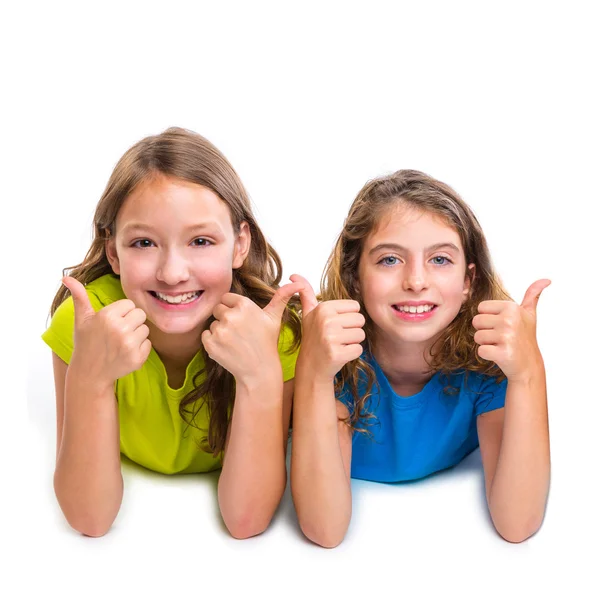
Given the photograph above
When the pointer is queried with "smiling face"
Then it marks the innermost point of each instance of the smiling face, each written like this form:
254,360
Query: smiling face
412,275
174,248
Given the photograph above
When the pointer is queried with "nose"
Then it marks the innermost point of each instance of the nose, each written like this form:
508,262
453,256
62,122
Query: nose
173,268
415,276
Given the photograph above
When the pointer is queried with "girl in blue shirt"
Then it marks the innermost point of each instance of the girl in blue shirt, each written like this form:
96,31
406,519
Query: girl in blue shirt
414,357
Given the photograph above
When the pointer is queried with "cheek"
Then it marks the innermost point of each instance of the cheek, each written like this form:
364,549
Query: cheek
136,267
373,288
214,271
451,286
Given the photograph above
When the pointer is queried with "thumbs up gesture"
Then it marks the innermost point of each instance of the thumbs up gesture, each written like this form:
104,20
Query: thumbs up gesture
506,333
243,338
110,343
331,333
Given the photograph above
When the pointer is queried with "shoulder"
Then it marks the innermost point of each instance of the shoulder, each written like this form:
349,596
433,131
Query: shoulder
486,391
104,291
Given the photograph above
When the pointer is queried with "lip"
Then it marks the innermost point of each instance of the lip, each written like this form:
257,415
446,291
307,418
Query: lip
176,307
414,317
414,303
175,293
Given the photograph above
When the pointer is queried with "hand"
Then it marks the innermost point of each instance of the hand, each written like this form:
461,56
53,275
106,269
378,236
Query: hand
506,333
244,338
110,343
331,333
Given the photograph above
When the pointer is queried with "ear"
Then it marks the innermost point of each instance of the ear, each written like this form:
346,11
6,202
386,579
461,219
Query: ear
241,247
469,279
110,247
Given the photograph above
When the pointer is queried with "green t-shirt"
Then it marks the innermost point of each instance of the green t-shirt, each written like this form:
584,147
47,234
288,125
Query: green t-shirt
153,434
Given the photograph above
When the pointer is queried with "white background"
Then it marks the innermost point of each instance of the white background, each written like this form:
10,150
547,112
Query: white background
308,101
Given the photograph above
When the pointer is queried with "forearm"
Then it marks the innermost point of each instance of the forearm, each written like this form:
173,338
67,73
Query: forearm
319,481
253,477
87,480
519,489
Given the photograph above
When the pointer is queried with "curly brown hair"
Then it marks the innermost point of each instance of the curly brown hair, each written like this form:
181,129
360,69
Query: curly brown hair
455,350
186,155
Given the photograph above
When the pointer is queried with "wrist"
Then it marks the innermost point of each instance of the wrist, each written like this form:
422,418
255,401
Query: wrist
79,376
530,375
310,374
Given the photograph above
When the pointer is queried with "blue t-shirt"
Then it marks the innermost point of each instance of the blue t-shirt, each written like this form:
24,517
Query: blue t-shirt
414,436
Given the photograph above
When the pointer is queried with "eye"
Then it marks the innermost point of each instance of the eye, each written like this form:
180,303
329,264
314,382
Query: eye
201,242
144,243
441,260
388,261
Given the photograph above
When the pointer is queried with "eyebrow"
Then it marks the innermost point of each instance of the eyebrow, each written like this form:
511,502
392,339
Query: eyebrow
399,248
197,226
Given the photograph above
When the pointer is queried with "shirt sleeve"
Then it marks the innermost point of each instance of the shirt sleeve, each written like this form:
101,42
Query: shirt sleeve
59,335
287,356
491,395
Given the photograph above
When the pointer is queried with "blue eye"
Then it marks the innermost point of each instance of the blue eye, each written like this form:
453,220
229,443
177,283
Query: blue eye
388,261
441,260
201,242
145,243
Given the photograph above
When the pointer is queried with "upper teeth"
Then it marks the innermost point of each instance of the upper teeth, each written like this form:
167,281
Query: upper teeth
416,309
181,299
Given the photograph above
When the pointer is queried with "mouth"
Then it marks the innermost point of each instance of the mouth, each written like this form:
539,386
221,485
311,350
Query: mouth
414,310
177,299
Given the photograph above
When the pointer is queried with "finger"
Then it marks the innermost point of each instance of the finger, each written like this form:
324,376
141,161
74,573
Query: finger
81,301
532,295
121,308
352,352
486,321
145,349
351,336
488,352
486,337
351,320
343,306
219,311
140,334
307,294
492,307
231,300
280,299
134,318
206,338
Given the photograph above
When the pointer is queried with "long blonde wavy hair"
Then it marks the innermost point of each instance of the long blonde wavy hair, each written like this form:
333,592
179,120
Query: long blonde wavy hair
456,349
183,154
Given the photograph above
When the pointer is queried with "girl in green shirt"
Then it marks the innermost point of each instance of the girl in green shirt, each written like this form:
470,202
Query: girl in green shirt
172,341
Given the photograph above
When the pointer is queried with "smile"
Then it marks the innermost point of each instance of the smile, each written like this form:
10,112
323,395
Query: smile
414,314
421,308
185,298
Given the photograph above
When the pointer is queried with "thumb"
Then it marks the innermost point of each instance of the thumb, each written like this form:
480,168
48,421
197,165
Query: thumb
280,299
81,301
307,294
532,295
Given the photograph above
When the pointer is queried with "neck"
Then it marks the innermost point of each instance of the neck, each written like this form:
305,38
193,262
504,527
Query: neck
177,348
402,362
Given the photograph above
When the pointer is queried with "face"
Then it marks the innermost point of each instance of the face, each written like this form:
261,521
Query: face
413,276
174,249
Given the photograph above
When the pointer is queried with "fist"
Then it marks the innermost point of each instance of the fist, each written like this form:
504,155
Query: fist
110,343
506,333
331,333
244,338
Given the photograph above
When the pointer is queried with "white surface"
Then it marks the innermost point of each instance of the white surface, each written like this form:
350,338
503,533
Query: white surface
307,103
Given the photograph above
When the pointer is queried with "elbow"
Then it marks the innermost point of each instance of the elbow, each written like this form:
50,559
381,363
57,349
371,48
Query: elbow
326,536
85,517
516,533
89,527
244,526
